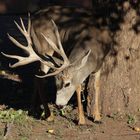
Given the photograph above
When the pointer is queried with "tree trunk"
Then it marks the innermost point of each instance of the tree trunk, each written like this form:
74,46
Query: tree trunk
120,78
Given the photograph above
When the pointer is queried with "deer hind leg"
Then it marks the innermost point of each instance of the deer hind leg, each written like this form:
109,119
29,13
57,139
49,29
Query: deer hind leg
80,106
96,113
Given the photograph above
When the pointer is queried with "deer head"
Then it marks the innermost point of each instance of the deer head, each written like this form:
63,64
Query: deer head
68,80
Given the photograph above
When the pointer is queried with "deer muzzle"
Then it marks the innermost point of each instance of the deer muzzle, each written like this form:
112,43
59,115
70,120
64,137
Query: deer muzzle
64,95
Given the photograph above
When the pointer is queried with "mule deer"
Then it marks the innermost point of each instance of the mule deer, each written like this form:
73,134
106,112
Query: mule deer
85,58
86,45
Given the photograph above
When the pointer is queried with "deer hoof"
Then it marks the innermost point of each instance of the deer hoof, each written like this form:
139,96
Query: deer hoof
98,122
50,118
97,119
82,121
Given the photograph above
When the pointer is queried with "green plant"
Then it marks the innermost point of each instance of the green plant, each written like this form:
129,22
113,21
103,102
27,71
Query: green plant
131,119
11,115
24,138
65,110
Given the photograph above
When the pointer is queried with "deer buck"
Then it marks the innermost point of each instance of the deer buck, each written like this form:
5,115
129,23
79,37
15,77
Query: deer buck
83,52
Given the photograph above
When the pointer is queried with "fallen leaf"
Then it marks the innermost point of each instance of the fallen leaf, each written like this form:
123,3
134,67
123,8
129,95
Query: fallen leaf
50,131
136,129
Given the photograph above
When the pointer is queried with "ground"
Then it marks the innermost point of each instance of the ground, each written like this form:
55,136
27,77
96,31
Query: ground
17,125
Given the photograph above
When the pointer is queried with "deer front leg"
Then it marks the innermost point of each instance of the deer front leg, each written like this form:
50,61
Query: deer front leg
39,98
48,115
80,106
35,109
96,113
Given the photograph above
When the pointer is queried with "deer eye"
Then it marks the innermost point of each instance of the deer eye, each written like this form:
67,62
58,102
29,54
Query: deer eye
67,84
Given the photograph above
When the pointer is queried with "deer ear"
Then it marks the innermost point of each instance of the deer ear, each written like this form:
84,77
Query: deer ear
83,60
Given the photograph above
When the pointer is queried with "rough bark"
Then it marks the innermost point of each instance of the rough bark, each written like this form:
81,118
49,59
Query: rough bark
120,79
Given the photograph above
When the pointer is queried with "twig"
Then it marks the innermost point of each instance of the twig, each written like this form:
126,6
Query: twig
127,134
11,76
7,130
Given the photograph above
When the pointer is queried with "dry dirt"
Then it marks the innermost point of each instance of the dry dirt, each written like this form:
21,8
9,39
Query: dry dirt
114,127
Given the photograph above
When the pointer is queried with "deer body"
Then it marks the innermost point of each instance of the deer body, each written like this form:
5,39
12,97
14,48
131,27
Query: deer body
77,74
84,44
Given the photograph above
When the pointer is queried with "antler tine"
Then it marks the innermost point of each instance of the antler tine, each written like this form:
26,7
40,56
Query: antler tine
21,60
16,42
21,30
23,26
50,74
51,43
11,56
29,23
59,43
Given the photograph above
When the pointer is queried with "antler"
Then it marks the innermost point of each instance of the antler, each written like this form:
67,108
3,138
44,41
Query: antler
32,54
28,49
58,50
